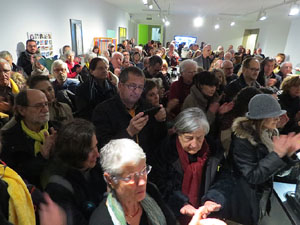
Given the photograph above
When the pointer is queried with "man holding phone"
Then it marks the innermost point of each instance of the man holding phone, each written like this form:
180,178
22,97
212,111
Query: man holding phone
123,115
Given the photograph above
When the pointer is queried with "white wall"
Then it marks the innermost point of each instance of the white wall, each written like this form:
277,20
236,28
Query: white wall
19,17
292,48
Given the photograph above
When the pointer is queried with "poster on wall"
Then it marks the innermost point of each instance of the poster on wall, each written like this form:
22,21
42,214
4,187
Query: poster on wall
43,41
122,34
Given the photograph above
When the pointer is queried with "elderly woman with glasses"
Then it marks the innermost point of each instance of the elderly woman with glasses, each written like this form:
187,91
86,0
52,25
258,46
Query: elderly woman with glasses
186,167
131,199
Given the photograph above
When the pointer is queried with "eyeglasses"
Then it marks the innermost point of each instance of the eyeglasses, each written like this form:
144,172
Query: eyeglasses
40,105
133,177
57,70
133,87
2,168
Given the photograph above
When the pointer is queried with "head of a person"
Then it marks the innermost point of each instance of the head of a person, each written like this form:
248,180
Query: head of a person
76,144
111,47
99,67
131,85
240,49
155,64
31,106
291,86
188,69
151,92
5,72
206,50
59,69
280,58
191,126
88,57
69,56
230,47
171,47
207,82
42,83
242,99
66,48
31,46
7,56
126,54
19,79
220,75
264,112
286,68
220,48
250,68
259,51
268,65
197,53
227,67
136,56
117,59
95,49
125,170
228,56
248,51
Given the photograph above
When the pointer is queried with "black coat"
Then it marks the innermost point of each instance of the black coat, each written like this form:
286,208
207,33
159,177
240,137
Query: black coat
25,63
168,176
77,193
254,167
18,153
111,119
101,215
89,94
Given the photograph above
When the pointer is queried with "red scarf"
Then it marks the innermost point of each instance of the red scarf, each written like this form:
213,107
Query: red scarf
192,172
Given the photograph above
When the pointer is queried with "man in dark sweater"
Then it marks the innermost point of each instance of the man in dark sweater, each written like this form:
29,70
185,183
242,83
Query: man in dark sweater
26,58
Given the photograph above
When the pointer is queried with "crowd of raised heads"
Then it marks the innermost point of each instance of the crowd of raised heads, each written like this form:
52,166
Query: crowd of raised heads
145,134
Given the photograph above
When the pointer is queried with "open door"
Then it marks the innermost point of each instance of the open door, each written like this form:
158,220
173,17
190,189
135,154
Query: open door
250,39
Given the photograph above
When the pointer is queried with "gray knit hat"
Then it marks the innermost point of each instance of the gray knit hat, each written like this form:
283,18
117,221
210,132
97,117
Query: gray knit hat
264,106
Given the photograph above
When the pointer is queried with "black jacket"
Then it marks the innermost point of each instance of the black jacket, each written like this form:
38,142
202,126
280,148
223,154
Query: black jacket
254,167
101,215
168,176
111,119
18,153
25,63
76,192
90,94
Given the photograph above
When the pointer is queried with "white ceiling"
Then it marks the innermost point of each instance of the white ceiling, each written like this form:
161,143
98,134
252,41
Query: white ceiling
223,9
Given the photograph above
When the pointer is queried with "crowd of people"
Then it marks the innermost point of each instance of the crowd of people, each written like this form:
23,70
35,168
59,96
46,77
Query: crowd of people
214,128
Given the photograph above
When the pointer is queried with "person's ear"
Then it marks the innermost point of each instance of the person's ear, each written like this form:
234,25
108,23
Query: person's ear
21,109
110,182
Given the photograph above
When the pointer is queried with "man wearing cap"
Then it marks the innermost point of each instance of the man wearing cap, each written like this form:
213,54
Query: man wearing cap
111,49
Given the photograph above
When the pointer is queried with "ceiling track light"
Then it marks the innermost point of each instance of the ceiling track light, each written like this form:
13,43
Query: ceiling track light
217,26
145,2
150,4
232,23
262,15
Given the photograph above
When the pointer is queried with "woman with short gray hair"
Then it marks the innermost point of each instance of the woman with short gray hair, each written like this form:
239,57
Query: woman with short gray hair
131,199
181,162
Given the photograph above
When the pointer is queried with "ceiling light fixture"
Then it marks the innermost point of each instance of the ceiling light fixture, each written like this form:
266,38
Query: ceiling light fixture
262,15
150,4
167,23
232,23
198,22
145,2
217,26
294,10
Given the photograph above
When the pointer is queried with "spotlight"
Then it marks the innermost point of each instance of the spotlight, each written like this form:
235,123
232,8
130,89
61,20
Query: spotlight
150,4
145,2
217,26
167,23
262,15
294,10
198,22
232,24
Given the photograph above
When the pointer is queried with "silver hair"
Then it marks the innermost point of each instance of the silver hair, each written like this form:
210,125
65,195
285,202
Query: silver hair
226,61
284,63
117,53
67,53
104,59
4,54
57,63
190,120
4,61
117,153
88,57
185,63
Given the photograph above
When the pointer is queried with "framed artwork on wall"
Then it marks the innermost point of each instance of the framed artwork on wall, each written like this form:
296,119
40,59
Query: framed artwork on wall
122,34
76,36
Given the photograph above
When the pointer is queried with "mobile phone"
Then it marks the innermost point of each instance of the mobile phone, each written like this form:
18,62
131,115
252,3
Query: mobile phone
151,111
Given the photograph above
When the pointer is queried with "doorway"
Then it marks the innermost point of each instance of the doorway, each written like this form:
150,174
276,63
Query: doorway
250,39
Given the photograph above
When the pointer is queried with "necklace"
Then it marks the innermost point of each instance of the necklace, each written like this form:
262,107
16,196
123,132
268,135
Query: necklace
131,216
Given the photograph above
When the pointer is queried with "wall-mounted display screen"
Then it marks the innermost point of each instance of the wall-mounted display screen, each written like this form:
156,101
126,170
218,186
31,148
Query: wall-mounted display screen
187,39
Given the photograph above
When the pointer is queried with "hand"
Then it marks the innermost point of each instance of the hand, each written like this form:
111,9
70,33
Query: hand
161,115
38,65
5,106
188,210
137,123
294,143
49,143
214,107
280,145
198,218
226,107
283,121
32,58
211,207
172,104
50,213
297,116
271,82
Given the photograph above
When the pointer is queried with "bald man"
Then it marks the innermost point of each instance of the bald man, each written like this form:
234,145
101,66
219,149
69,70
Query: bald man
204,59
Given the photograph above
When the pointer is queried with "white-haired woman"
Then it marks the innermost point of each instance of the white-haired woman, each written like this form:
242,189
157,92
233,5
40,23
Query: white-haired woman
186,167
130,200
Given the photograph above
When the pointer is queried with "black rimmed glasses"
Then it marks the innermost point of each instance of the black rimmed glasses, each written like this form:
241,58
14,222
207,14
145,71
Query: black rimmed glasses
40,105
133,177
133,87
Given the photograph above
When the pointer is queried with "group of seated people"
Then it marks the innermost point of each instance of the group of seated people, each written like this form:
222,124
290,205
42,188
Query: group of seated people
89,136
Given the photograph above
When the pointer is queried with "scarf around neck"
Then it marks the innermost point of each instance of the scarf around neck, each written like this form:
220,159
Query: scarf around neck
192,172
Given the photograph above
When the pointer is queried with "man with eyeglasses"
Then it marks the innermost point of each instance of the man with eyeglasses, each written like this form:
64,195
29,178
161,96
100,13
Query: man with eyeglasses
227,67
26,59
27,144
250,71
122,116
8,89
